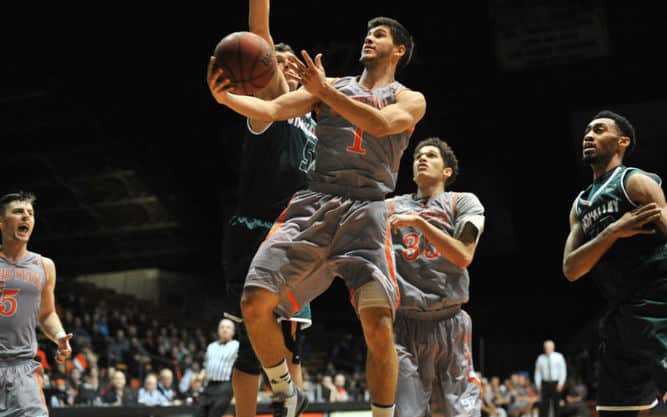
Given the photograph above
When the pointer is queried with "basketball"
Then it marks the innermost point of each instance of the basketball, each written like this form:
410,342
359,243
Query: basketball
247,60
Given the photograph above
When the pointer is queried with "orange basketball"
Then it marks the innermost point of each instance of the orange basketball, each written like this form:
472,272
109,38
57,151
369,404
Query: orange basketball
247,60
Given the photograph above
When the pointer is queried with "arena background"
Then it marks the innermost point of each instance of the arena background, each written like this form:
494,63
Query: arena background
107,117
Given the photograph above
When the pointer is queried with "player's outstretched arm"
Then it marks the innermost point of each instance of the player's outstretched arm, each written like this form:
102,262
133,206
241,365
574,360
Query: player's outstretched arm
258,19
258,23
293,104
48,317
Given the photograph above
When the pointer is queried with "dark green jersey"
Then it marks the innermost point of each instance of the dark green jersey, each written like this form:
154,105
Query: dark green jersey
618,273
275,164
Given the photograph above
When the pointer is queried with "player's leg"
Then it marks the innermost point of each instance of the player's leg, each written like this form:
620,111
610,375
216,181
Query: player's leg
458,390
293,336
416,367
245,376
366,264
245,388
624,375
376,318
239,247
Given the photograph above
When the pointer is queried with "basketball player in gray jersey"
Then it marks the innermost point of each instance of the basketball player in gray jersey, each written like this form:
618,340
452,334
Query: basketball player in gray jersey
618,232
27,282
338,226
435,235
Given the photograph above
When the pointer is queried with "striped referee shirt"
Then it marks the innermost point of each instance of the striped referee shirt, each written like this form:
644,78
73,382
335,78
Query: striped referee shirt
220,359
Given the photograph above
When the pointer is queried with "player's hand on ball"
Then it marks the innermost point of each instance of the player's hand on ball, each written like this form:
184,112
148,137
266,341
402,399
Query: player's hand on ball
218,84
64,348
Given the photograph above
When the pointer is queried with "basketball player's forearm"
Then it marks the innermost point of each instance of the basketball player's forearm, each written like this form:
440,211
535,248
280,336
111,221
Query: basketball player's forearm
361,115
449,248
52,327
581,260
250,107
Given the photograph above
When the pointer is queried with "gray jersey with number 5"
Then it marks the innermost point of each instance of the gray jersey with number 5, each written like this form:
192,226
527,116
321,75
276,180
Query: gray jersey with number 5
20,296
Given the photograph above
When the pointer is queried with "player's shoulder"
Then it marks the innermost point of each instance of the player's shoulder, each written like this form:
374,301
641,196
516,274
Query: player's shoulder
48,263
466,197
639,174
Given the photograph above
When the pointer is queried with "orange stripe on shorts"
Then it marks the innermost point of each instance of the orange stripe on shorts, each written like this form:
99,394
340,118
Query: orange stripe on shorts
280,221
387,251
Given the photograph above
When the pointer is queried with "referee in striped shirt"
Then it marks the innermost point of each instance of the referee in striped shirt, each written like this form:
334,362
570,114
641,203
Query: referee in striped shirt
218,364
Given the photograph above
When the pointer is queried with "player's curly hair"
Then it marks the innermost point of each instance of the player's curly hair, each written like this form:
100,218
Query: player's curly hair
447,154
400,35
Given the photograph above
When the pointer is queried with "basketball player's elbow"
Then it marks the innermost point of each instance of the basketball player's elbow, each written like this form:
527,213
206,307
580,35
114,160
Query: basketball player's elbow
464,261
572,272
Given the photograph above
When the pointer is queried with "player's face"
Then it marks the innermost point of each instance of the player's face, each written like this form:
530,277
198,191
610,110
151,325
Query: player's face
17,221
282,58
378,44
601,140
428,165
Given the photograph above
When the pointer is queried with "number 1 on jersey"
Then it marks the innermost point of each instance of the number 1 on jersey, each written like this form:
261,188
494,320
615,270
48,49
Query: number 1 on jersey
357,145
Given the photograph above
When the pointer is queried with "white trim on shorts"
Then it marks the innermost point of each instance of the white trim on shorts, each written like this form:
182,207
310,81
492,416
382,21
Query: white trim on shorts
626,407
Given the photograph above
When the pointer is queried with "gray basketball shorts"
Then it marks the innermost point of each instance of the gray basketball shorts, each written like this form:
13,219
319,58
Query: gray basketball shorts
21,389
319,237
435,367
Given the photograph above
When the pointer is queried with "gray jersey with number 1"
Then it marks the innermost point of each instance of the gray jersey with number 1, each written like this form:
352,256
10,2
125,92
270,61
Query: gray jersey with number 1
349,161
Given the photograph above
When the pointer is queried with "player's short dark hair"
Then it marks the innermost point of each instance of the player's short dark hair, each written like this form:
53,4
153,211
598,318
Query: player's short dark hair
400,35
624,126
6,199
447,154
283,47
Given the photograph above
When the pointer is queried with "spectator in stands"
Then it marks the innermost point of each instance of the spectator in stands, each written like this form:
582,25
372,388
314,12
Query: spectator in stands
166,386
81,335
119,394
149,394
118,347
339,390
59,397
193,394
328,391
575,402
489,406
524,395
189,368
88,393
500,394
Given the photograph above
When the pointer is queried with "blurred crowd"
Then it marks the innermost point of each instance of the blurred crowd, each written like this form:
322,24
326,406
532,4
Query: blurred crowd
123,354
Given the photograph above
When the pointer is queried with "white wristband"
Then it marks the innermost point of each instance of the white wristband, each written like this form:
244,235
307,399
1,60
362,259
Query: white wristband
60,335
